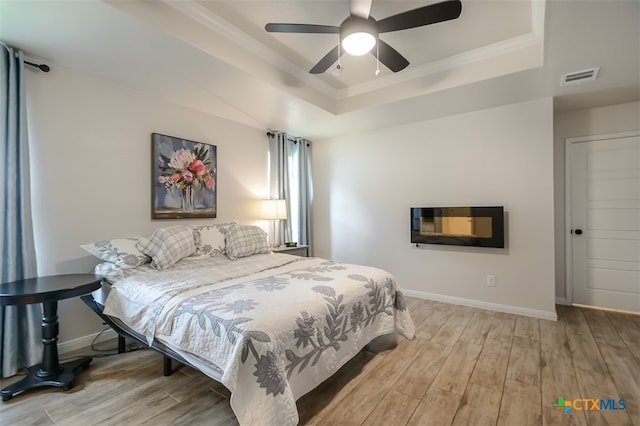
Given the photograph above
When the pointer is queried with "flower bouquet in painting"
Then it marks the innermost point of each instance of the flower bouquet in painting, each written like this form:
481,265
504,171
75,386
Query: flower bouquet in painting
184,178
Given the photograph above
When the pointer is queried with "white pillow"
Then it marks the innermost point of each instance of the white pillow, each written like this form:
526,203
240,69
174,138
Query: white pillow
108,270
122,252
209,241
246,240
166,246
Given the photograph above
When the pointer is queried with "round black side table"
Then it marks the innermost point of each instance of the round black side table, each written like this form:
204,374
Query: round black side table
48,291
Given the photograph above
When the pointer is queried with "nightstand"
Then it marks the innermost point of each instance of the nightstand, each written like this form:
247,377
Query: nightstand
48,291
301,250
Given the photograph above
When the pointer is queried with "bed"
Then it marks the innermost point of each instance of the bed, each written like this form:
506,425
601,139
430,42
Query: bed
269,327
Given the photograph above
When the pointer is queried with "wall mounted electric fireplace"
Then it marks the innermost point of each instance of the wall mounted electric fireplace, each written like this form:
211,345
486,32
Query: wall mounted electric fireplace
460,226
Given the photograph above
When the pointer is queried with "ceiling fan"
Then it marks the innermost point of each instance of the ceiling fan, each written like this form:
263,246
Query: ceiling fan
359,33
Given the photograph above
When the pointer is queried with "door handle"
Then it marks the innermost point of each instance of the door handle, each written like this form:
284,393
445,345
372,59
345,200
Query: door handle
578,231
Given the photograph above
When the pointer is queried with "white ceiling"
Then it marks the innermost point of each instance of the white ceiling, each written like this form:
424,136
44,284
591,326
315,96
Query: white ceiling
489,22
215,56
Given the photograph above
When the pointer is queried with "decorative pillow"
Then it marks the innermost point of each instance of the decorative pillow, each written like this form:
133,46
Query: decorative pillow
245,240
166,246
122,252
210,239
108,270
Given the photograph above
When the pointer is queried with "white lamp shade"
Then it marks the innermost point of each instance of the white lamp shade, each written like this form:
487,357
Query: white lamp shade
273,209
358,43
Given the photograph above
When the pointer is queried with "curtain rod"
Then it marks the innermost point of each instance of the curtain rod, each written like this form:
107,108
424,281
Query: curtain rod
42,67
289,137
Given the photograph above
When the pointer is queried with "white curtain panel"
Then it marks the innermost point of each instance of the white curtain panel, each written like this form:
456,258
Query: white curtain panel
290,179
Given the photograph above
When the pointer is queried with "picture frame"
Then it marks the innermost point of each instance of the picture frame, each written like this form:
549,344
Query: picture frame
183,178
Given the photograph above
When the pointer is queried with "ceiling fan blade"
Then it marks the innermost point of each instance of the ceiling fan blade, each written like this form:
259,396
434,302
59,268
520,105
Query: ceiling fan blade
360,8
390,57
327,61
301,28
426,15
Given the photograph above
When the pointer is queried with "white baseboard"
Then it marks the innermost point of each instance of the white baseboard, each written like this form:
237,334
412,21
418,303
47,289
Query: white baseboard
562,301
534,313
84,341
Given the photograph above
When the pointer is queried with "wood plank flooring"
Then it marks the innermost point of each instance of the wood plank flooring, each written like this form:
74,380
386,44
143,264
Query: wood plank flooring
465,367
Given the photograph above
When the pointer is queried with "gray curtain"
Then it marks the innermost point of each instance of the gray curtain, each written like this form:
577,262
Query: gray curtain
290,179
19,325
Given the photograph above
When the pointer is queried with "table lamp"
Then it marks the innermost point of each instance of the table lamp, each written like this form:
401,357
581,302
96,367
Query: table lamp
273,210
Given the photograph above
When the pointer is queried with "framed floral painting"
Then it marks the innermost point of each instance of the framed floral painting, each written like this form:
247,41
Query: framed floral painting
183,178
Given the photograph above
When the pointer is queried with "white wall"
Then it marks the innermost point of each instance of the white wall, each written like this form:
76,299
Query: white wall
570,124
91,168
366,183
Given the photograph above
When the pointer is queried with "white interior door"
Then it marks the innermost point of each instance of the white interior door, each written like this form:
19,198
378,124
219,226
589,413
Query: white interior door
605,222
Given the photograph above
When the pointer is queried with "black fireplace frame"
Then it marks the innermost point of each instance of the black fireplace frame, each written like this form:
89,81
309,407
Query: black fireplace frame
496,213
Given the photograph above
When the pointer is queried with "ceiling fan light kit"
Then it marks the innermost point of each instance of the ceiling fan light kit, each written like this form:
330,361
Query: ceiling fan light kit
358,44
359,33
358,36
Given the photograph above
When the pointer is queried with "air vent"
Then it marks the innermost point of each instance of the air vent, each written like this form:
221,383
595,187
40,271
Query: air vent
579,76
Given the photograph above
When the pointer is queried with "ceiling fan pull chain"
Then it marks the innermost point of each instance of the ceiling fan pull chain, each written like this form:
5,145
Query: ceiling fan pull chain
338,71
378,56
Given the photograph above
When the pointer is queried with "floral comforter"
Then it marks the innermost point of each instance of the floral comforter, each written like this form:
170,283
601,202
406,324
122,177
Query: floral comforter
269,327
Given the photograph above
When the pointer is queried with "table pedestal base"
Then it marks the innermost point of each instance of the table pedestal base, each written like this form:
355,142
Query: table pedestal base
63,378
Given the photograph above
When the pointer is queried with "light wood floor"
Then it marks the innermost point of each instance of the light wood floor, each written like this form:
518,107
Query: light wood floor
466,366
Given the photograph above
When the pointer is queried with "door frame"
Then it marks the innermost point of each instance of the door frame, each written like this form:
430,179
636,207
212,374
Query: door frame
568,197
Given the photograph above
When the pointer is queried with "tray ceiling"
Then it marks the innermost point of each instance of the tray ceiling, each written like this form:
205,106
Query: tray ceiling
489,39
216,57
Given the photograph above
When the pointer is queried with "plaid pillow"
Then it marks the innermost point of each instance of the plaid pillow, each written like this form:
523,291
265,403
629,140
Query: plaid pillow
121,252
245,240
166,246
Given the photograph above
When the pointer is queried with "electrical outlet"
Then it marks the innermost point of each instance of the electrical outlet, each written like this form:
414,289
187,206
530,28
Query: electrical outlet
491,280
